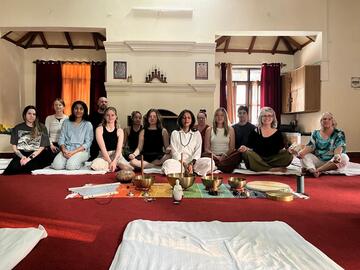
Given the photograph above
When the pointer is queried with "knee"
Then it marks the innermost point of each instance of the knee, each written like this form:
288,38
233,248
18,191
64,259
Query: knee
58,164
99,164
73,165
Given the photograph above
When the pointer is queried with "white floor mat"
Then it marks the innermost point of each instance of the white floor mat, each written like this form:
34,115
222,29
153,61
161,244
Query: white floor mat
15,244
83,170
157,245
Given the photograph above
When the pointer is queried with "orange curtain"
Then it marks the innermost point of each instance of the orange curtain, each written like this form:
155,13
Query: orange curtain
75,84
230,95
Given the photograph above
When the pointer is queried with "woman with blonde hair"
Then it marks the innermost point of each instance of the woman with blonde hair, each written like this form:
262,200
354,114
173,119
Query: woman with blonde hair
110,140
326,149
265,148
220,142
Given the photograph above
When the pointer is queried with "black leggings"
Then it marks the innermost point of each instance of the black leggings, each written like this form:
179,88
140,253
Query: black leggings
40,161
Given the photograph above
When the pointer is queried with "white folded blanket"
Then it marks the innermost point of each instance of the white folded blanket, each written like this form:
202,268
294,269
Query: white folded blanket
83,170
157,245
15,244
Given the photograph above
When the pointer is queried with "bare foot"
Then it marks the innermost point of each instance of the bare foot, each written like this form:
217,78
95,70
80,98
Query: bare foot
314,172
278,169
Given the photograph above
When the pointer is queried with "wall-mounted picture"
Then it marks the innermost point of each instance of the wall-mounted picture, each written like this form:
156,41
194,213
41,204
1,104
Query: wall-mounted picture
120,70
201,70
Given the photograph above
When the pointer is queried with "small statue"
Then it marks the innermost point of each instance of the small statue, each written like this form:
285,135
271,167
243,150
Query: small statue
177,192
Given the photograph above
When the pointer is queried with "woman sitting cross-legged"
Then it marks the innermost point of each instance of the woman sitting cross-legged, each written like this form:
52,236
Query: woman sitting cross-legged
75,139
186,141
220,141
265,149
110,140
131,134
153,140
326,149
28,140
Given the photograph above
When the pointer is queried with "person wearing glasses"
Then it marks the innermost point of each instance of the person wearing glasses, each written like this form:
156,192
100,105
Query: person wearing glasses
265,148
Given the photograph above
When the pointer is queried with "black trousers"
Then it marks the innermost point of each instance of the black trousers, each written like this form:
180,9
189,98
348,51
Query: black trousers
40,161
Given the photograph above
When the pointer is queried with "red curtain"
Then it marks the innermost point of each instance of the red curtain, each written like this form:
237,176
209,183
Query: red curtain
223,100
271,88
48,87
97,87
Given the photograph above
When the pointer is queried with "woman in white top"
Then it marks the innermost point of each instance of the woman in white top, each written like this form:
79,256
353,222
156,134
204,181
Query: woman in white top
220,142
54,123
186,141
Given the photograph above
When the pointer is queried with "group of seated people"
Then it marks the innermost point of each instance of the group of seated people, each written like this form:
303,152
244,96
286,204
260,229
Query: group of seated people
68,142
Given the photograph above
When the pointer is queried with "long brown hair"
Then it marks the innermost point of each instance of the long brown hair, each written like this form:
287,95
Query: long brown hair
159,124
37,127
104,120
226,121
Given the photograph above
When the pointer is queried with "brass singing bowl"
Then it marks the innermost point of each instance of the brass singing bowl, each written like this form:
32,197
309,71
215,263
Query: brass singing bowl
143,183
211,182
236,182
186,181
125,176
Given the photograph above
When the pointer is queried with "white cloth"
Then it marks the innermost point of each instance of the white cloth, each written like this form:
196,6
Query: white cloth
54,127
15,244
310,161
187,143
219,143
159,245
100,164
83,170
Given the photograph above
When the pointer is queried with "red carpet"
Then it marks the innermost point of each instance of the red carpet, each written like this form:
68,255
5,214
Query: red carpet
84,234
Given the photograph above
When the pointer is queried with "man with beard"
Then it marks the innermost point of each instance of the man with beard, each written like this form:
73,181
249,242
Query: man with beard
96,119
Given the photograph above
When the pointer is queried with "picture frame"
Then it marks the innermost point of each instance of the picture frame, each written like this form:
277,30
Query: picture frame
120,70
355,82
201,70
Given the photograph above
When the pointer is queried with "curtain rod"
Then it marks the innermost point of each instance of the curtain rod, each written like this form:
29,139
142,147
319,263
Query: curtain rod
219,64
62,62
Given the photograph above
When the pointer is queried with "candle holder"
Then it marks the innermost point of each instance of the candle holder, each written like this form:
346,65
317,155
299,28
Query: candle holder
155,74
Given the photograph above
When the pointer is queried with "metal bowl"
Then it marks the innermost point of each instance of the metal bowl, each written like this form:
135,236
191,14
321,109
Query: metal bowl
186,181
125,176
143,183
211,182
236,182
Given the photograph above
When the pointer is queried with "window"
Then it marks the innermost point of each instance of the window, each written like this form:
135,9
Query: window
247,88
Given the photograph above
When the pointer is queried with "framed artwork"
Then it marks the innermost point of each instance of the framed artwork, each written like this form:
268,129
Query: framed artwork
201,70
120,70
355,82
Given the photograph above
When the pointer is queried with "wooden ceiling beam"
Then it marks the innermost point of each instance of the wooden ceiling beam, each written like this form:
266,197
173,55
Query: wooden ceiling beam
226,47
43,39
23,38
254,51
31,40
69,41
8,33
251,47
310,38
95,39
276,44
221,40
100,36
293,42
288,45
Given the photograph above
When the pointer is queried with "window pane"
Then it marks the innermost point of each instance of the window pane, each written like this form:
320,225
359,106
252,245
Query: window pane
240,75
255,74
241,94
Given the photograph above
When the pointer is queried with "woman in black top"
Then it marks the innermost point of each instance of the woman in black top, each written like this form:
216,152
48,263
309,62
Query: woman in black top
153,141
265,148
110,140
131,134
28,141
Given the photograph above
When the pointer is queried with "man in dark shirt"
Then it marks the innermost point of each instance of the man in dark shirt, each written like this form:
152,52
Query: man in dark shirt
96,119
243,128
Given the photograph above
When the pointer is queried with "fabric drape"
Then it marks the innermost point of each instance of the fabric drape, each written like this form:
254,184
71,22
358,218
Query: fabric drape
230,94
223,102
97,87
48,87
76,84
271,88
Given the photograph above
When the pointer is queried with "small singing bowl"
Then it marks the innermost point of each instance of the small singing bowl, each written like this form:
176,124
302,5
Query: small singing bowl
143,183
186,181
236,182
211,182
125,176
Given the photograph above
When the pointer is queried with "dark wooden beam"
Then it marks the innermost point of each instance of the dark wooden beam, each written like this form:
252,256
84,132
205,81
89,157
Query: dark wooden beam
23,38
293,42
226,47
254,51
31,40
8,33
43,39
288,45
310,38
67,47
276,44
251,47
100,36
96,43
69,41
221,40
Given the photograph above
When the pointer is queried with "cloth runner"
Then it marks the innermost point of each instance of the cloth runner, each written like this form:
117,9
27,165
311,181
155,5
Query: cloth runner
157,245
15,244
